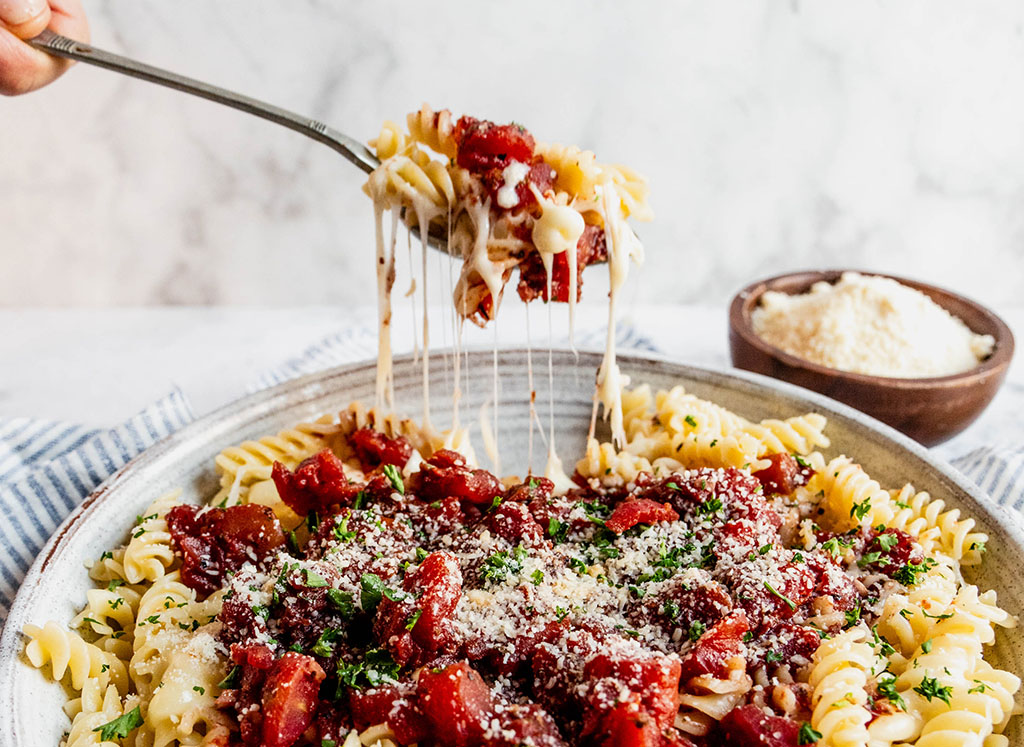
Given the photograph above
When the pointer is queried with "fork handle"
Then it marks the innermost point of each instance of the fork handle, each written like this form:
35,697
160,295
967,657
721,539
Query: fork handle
352,149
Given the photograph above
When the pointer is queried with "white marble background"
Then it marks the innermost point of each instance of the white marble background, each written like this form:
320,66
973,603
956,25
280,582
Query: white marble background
776,135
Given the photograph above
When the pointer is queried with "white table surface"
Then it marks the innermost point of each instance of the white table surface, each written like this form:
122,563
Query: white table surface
98,367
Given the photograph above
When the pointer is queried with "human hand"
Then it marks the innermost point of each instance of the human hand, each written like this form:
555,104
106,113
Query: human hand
22,68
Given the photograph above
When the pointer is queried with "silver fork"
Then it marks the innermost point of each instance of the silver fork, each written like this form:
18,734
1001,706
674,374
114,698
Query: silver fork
351,148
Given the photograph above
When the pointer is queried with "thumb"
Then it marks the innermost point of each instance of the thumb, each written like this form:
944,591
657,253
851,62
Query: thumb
24,18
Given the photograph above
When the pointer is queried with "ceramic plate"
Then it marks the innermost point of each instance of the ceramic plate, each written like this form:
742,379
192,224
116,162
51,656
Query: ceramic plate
56,584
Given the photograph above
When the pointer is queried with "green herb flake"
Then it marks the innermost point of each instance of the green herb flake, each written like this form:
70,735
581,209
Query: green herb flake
121,726
413,620
314,580
372,589
789,602
341,531
860,510
231,680
887,689
808,734
930,689
394,477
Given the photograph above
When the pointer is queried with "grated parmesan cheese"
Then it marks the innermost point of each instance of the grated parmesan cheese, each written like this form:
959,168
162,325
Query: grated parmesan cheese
870,325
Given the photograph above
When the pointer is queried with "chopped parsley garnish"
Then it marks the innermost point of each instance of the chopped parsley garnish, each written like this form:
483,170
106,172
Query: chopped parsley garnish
341,531
980,687
808,734
421,554
860,510
885,648
372,589
908,574
114,583
596,512
394,477
231,680
773,657
887,541
671,609
324,645
396,595
690,421
413,620
313,579
121,726
710,507
869,558
852,616
360,499
930,689
887,689
502,564
537,577
789,602
342,602
926,646
697,629
376,668
557,530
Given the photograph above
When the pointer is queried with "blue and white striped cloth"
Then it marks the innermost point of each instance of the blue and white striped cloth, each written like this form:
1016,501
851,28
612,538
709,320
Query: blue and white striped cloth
47,468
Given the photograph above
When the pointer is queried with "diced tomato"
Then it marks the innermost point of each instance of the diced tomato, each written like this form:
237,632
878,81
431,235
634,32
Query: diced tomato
655,680
525,724
484,146
457,702
681,603
533,276
894,548
794,640
514,522
374,449
290,698
783,475
535,489
446,475
715,647
640,511
394,704
627,724
438,585
749,726
217,541
316,484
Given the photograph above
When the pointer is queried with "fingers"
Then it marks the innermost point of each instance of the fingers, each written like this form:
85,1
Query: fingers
24,18
22,68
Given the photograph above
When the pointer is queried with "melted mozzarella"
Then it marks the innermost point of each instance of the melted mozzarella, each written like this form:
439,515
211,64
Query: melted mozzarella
512,177
623,245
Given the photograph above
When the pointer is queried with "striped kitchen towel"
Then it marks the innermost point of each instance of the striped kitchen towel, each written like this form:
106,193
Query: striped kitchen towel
47,468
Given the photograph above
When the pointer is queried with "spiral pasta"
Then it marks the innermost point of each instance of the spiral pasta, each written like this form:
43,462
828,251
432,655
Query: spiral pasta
149,553
68,654
99,706
908,668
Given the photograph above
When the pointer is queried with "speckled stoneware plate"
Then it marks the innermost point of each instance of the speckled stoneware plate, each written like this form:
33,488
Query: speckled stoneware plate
55,586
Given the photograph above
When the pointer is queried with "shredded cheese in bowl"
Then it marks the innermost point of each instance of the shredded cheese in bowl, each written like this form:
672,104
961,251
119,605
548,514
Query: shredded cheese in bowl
870,325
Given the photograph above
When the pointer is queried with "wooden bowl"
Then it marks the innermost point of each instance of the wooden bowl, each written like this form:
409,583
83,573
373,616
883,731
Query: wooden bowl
929,410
